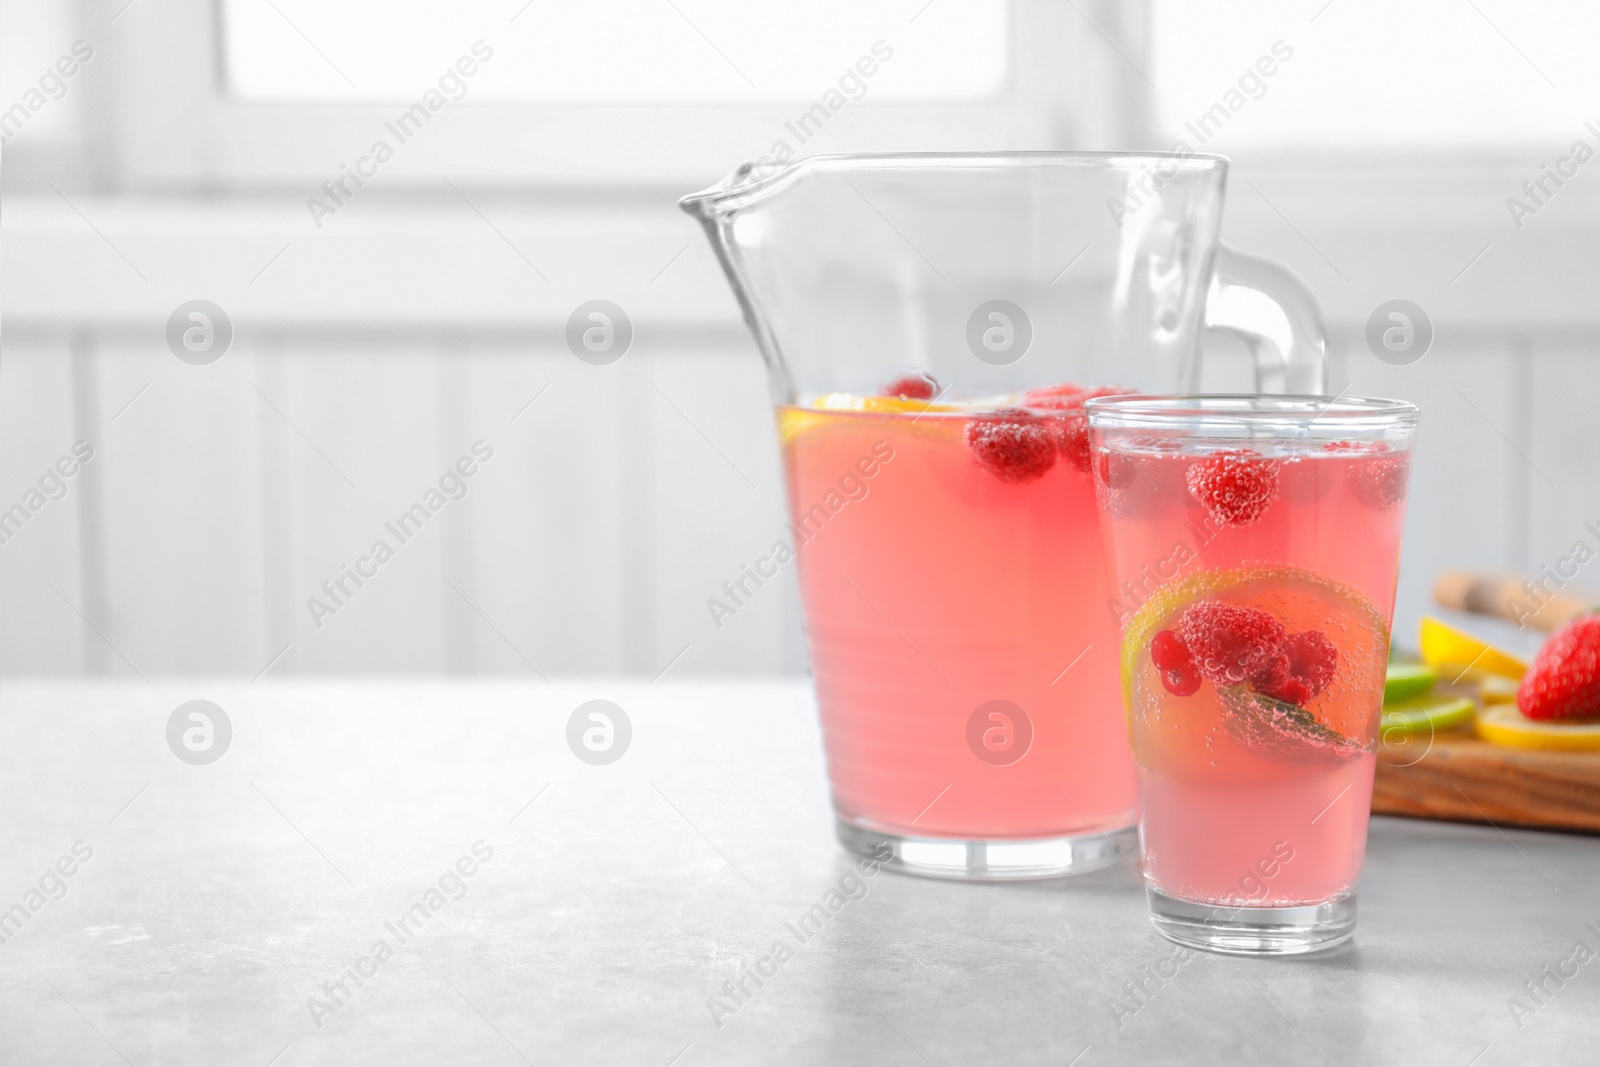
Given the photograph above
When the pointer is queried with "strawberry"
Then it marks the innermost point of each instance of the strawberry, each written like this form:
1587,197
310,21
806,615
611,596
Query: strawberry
912,387
1300,668
1012,444
1564,681
1234,487
1229,642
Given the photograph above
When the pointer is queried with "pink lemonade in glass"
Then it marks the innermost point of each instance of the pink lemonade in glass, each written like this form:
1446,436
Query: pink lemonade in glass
1254,545
952,574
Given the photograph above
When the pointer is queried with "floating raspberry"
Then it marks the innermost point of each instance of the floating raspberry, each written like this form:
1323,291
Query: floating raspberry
1072,439
1381,483
1564,681
1116,470
1064,397
1235,487
912,387
1012,444
1301,668
1229,642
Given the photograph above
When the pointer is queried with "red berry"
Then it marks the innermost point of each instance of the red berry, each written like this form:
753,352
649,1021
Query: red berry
1229,642
1344,446
1181,681
1381,483
1072,439
1564,681
1117,471
912,387
1012,444
1063,397
1067,396
1301,668
1168,651
1234,487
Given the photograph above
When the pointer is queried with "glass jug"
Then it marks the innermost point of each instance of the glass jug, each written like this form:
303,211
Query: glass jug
931,326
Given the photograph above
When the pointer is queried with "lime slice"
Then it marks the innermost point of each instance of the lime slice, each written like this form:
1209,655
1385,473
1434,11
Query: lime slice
1503,724
1429,713
1286,732
1339,721
1456,654
1406,680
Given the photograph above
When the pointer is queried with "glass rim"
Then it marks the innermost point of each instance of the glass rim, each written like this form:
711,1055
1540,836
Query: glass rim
1251,413
751,177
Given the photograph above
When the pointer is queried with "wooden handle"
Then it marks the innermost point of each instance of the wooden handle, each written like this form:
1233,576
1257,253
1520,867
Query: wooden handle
1507,598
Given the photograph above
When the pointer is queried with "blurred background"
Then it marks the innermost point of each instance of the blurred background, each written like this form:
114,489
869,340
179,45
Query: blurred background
161,152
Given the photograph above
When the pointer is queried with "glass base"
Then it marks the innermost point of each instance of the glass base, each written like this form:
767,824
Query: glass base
1252,931
1002,860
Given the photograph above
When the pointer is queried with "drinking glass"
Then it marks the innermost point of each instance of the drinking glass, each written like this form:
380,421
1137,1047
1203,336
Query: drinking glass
931,326
1252,544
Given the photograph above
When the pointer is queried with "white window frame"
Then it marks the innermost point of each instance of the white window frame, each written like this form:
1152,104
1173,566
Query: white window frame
172,123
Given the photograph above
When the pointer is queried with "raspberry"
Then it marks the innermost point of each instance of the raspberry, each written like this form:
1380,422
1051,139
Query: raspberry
912,387
1234,487
1072,440
1063,397
1381,483
1116,471
1012,444
1564,681
1229,642
1301,668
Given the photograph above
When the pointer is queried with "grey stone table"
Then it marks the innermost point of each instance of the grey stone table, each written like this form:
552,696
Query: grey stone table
533,908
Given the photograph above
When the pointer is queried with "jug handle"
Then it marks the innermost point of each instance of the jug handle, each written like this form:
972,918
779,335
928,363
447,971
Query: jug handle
1271,309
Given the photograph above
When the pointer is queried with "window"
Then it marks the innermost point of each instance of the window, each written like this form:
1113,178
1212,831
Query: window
1376,75
617,51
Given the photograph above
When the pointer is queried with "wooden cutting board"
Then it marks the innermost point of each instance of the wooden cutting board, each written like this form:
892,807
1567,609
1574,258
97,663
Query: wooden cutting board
1463,779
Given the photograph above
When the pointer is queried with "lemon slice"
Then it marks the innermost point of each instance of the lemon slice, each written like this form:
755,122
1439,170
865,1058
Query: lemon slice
1493,689
1406,680
1503,724
1431,713
1455,654
887,405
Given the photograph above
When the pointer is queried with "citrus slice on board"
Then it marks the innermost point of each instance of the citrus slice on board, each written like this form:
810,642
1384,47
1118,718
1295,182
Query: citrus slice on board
1456,654
1406,680
1428,712
1503,724
1493,689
